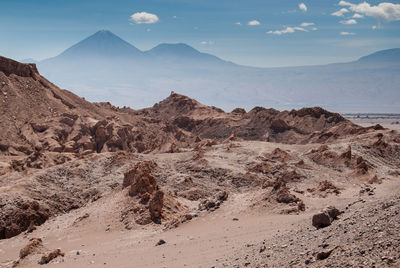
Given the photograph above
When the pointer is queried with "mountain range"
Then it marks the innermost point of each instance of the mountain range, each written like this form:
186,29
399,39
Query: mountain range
105,67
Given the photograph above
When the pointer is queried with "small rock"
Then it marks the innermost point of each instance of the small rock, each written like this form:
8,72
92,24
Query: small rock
324,254
160,242
49,256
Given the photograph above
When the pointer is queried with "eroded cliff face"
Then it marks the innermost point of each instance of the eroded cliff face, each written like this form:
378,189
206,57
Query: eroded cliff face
9,67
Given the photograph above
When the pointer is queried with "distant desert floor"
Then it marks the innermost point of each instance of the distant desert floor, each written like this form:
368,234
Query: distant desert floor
390,122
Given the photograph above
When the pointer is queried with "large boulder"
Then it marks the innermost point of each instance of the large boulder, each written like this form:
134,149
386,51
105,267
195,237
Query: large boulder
325,217
321,220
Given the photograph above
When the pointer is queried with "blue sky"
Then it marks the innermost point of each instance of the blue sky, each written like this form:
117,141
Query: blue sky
43,28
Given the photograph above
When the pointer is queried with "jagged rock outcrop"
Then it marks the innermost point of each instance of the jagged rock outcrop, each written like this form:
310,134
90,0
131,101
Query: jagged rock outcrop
156,206
281,194
144,187
9,67
18,217
140,179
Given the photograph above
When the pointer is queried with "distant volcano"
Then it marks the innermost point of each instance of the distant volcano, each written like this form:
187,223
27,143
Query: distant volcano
101,44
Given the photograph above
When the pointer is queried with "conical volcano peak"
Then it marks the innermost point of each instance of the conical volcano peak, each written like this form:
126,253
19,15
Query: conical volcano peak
103,43
104,34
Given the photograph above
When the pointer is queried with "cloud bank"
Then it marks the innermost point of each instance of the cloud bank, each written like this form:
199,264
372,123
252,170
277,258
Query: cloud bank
382,12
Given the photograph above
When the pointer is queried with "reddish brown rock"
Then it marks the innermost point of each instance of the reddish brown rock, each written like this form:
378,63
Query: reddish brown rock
140,179
321,220
325,217
51,255
361,166
324,188
156,205
232,137
8,67
35,245
281,193
18,218
346,154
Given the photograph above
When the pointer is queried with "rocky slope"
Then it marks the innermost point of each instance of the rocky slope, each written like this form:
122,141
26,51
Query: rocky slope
44,125
93,167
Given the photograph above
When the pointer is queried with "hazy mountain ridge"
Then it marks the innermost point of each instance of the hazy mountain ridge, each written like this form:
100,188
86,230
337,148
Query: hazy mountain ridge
388,55
127,76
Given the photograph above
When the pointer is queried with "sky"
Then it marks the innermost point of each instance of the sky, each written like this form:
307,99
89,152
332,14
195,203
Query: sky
264,33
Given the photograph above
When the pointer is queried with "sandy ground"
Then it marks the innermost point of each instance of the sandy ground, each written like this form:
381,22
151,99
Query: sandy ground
206,241
221,238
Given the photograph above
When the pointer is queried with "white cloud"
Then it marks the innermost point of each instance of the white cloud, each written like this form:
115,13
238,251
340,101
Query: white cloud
303,7
382,12
144,17
253,23
347,33
348,22
238,23
148,30
287,30
174,17
207,42
374,27
314,29
340,12
306,24
358,16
